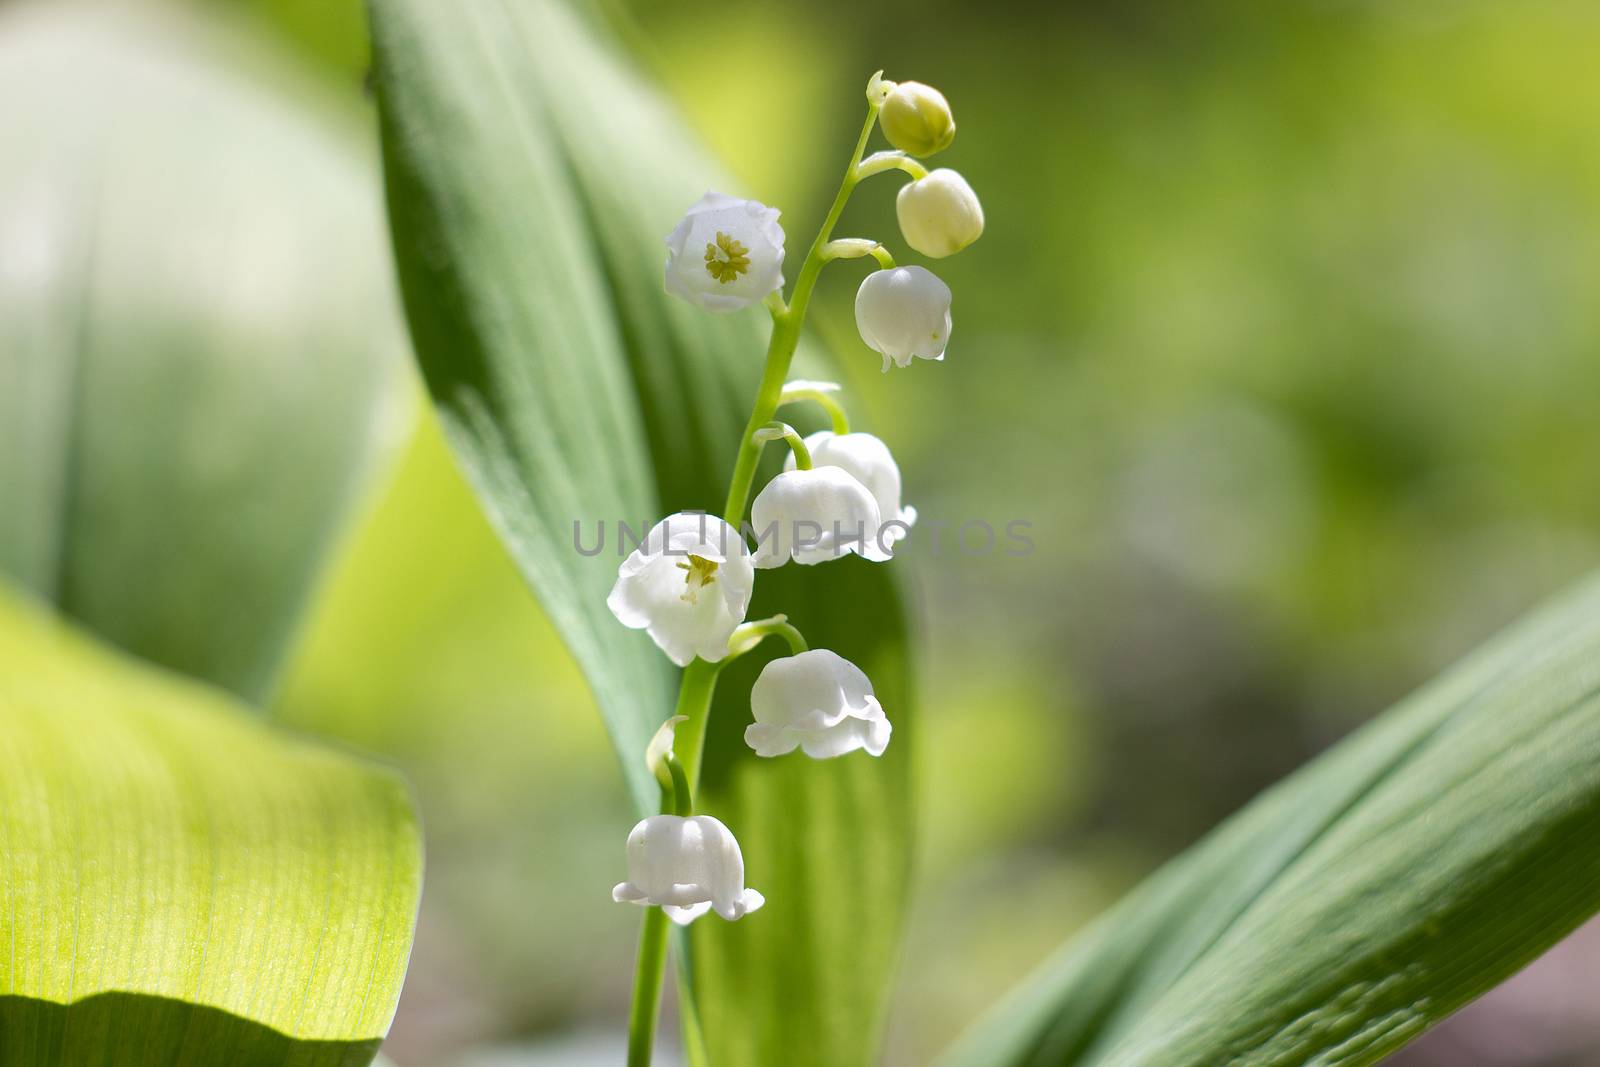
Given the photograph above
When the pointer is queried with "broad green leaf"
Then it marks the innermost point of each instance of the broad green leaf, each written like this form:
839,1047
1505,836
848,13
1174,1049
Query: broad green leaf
179,883
199,341
531,179
1408,870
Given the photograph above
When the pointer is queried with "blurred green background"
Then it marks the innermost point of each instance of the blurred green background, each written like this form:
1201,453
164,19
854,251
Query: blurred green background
1283,339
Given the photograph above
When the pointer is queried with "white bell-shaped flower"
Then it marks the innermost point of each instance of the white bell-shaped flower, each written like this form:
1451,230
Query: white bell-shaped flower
815,515
726,254
939,214
689,866
688,585
816,701
904,313
868,460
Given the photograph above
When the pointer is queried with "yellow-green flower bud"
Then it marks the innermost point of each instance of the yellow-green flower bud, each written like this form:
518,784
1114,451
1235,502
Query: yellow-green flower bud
916,119
940,214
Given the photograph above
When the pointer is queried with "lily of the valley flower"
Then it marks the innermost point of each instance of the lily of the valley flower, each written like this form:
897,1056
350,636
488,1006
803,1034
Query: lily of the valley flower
815,515
689,866
916,119
688,585
868,460
726,254
816,701
904,313
939,214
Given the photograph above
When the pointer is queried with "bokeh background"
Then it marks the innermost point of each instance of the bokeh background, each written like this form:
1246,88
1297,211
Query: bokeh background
1283,339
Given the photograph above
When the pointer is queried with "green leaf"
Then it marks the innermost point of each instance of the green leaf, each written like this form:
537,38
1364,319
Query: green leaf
531,179
179,883
199,340
1408,870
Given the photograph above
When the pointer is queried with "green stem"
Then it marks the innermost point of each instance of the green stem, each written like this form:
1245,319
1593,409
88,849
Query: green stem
849,248
649,970
836,415
694,703
881,162
751,634
682,798
694,1041
700,677
782,431
786,337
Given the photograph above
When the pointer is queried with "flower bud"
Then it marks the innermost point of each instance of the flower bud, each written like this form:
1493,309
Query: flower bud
904,313
660,746
916,119
940,214
818,702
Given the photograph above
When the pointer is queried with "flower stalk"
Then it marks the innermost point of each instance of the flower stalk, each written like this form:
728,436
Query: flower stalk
786,336
699,677
752,634
649,972
782,431
689,584
881,162
795,393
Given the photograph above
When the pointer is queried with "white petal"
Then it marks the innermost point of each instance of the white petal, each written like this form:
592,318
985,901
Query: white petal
686,865
768,740
747,901
870,462
878,731
653,590
817,701
813,516
751,223
685,916
847,737
904,313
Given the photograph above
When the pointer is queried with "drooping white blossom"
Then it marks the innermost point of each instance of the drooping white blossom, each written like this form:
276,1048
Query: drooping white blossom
867,459
815,515
904,313
916,119
688,865
816,701
688,585
939,214
726,254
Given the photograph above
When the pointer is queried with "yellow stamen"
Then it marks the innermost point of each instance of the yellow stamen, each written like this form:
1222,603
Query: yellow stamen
702,572
726,259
